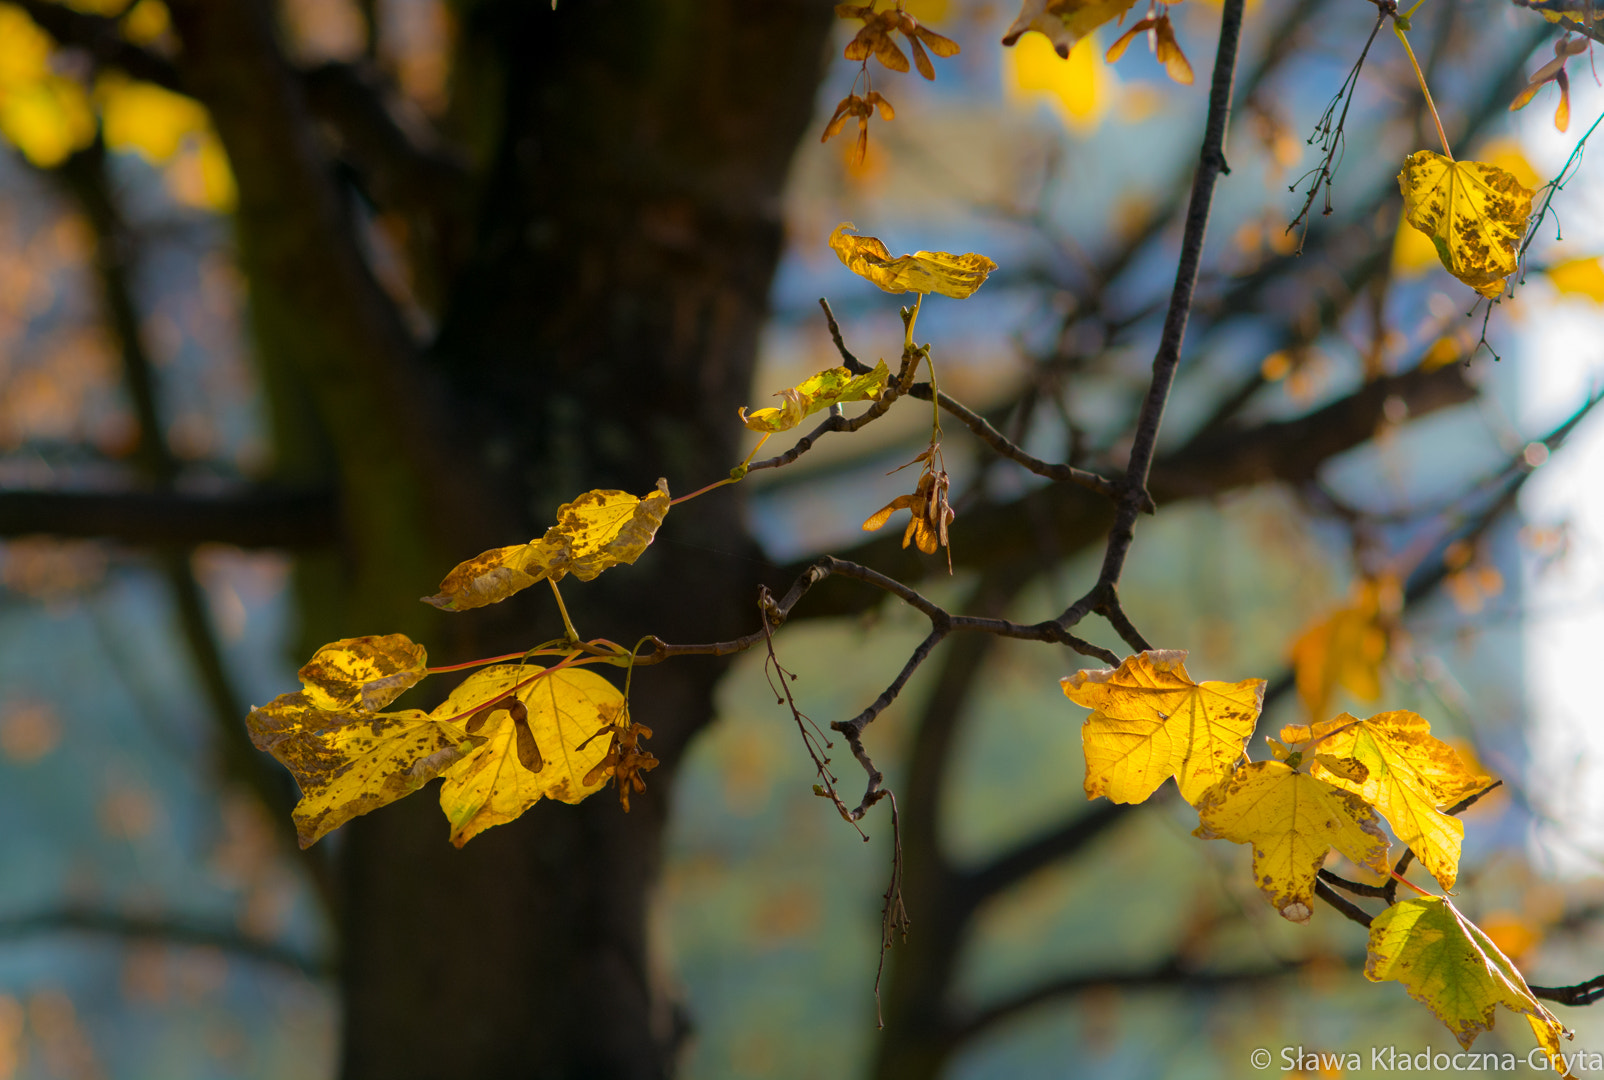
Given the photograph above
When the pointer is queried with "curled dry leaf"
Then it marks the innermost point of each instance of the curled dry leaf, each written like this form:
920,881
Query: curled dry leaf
1151,722
1450,966
1065,22
1475,214
365,672
598,530
831,386
957,276
1292,820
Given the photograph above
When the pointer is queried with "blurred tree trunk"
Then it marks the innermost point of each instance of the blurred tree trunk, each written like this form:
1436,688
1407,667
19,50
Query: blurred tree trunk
604,332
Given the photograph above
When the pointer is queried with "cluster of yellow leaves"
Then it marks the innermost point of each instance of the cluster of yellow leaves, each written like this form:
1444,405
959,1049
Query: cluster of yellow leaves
832,386
1329,787
598,530
957,276
1474,213
508,736
48,115
1347,647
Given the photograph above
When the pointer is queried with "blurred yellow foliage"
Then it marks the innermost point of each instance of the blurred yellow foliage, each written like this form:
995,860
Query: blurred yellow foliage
1080,89
1579,277
45,115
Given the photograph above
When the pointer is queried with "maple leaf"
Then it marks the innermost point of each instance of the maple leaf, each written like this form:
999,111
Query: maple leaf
538,741
365,672
829,387
1293,820
1065,22
957,276
351,763
598,530
1165,47
1409,777
1450,966
1347,647
1151,722
1475,214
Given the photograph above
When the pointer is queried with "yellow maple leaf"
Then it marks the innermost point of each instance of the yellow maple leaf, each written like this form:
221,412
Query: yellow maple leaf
1293,820
1346,648
1410,777
1475,214
1450,966
1579,277
956,276
829,387
363,672
351,763
1151,722
540,741
1064,22
596,531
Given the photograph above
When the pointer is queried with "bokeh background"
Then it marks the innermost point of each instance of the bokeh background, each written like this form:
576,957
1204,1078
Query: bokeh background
150,926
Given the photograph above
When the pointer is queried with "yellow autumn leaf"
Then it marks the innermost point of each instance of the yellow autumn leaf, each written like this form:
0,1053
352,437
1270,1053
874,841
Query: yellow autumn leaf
1079,87
829,387
1474,213
1293,820
956,276
351,763
1065,22
1346,648
43,114
1450,966
363,672
539,742
1579,277
598,530
1410,777
1151,722
145,118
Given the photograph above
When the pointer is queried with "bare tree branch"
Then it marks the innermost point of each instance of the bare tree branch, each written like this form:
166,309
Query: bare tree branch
162,930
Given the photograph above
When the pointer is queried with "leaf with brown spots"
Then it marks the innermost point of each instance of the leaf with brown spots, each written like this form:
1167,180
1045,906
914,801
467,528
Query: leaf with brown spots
1293,821
365,672
598,530
351,763
1475,214
538,728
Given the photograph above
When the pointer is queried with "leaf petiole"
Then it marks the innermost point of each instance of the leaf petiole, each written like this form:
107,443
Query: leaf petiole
573,635
1398,28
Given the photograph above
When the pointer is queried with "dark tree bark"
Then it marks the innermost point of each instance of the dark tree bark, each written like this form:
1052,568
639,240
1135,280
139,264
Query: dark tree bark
600,333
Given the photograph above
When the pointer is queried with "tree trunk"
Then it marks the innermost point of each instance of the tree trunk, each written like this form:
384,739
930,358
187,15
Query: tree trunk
605,331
